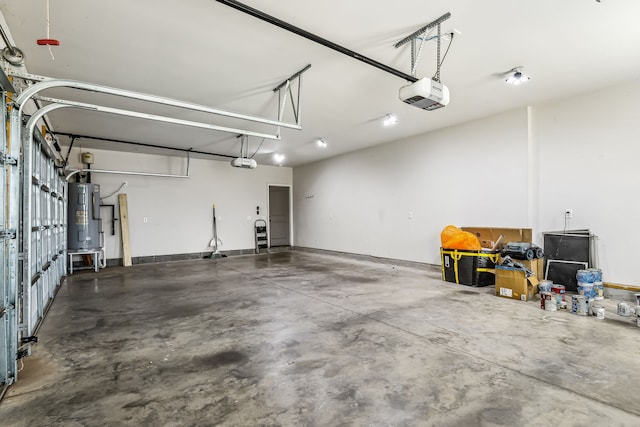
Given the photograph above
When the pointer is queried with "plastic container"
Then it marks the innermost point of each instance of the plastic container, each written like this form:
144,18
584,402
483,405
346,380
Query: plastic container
586,289
559,291
585,276
471,268
598,289
545,285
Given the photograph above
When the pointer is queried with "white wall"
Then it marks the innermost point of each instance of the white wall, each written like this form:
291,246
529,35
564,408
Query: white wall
473,175
179,211
589,152
518,169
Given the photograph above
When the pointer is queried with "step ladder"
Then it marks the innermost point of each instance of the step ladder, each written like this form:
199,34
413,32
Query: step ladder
262,240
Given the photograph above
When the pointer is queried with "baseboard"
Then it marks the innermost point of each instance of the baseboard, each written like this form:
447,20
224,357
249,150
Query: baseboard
117,262
393,261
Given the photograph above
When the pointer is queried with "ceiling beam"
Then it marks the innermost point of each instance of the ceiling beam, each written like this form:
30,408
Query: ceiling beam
141,144
315,38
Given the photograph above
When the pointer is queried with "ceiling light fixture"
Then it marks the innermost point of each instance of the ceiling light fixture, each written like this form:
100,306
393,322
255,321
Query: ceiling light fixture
322,143
390,120
279,158
517,77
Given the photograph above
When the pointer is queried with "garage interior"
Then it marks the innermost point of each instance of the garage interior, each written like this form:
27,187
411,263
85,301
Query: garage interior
264,186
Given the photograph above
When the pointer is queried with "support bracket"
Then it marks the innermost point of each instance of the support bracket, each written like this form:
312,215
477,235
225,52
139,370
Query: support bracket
416,49
29,340
8,234
7,159
284,90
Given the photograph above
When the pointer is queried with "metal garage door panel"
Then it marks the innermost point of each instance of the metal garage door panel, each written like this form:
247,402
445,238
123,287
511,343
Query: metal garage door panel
9,226
4,276
33,306
46,290
4,348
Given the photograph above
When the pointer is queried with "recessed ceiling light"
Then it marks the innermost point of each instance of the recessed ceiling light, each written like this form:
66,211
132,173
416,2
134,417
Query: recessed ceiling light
322,143
516,77
279,158
390,120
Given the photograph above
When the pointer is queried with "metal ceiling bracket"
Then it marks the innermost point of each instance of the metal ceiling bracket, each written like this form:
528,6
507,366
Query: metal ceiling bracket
244,146
418,35
422,30
284,90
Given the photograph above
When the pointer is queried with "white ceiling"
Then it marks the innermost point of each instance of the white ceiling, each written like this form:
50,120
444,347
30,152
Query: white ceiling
208,53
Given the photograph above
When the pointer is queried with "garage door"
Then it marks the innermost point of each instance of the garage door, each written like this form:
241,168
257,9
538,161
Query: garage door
33,240
9,271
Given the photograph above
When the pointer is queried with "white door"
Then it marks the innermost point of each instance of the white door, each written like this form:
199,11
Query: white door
279,216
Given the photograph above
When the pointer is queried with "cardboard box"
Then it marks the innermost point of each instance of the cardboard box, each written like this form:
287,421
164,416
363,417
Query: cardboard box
489,235
514,284
535,265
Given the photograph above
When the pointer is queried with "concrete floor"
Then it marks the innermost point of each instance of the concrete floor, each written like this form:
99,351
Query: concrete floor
299,338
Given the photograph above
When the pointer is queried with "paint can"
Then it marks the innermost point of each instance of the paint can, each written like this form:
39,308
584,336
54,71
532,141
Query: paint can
545,285
574,303
581,306
585,276
596,274
586,289
624,309
550,302
598,289
559,291
597,311
543,298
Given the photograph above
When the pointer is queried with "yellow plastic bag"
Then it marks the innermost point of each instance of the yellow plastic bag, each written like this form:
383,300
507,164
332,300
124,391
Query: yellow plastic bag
454,238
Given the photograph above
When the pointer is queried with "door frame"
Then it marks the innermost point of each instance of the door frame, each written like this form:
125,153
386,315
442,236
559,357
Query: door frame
268,215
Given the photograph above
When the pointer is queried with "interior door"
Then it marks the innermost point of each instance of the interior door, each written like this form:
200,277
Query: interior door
279,216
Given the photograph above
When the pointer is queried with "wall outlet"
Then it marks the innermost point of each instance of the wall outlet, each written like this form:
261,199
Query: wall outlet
410,216
145,219
568,213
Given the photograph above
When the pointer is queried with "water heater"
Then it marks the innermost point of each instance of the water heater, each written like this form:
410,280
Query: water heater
85,224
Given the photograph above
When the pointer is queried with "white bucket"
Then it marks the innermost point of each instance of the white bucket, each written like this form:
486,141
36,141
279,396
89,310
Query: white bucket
624,309
550,302
598,311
